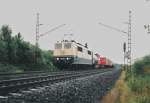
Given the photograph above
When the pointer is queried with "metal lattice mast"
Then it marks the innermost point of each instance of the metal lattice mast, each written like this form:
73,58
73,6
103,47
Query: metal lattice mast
37,29
129,59
128,53
38,34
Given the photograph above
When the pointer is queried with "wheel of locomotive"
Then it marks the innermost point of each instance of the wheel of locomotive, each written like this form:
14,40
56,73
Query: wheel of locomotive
64,67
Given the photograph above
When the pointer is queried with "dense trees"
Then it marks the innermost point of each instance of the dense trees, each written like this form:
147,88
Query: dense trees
19,53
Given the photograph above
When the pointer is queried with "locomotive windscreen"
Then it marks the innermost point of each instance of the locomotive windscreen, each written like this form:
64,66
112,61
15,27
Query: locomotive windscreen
58,46
67,45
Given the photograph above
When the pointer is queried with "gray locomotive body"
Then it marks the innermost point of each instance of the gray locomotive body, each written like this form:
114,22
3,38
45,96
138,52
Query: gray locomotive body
70,54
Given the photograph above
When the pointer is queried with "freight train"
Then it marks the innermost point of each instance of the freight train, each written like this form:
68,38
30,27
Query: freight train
73,55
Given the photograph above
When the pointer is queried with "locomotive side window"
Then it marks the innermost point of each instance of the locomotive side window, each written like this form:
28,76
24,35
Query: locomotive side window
67,45
58,46
80,49
89,52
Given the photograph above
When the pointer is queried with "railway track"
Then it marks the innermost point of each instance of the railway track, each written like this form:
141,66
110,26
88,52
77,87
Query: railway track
7,76
15,85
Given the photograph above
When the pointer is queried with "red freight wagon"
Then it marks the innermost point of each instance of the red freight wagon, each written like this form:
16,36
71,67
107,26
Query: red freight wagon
102,61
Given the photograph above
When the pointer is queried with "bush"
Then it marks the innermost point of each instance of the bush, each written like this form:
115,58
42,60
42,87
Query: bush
139,65
140,88
9,68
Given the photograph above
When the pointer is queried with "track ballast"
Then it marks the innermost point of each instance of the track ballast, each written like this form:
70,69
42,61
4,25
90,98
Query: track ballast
19,84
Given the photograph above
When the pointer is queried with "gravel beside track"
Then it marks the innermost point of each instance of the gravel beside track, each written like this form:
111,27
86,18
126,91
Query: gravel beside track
86,89
13,85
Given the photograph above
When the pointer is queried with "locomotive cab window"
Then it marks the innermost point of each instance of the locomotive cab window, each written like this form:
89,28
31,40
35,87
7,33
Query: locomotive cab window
89,52
79,49
67,45
58,46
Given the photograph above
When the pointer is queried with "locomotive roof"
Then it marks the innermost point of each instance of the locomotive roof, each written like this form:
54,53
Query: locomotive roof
75,42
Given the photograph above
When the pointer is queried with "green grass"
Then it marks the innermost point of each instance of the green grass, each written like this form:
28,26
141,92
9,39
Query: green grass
4,68
131,87
139,86
9,68
139,81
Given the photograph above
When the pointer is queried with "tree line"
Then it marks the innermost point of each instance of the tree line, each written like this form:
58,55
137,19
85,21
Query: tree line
20,54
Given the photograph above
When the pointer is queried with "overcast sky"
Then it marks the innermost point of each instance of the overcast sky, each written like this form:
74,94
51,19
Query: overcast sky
82,18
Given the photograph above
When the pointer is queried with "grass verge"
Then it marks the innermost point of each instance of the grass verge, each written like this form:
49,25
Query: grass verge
130,89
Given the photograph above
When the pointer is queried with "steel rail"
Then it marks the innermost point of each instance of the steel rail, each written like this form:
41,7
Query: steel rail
15,85
9,76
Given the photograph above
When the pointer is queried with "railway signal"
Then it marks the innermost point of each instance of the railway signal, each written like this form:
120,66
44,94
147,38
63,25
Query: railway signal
124,50
124,47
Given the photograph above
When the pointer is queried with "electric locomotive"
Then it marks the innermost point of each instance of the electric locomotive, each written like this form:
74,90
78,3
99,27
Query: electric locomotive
71,54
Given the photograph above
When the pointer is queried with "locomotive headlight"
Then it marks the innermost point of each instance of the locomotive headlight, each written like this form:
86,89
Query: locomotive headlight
67,58
57,58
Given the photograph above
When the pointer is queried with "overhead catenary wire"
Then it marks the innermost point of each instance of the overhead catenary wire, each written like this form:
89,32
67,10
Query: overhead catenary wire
43,34
116,29
38,35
